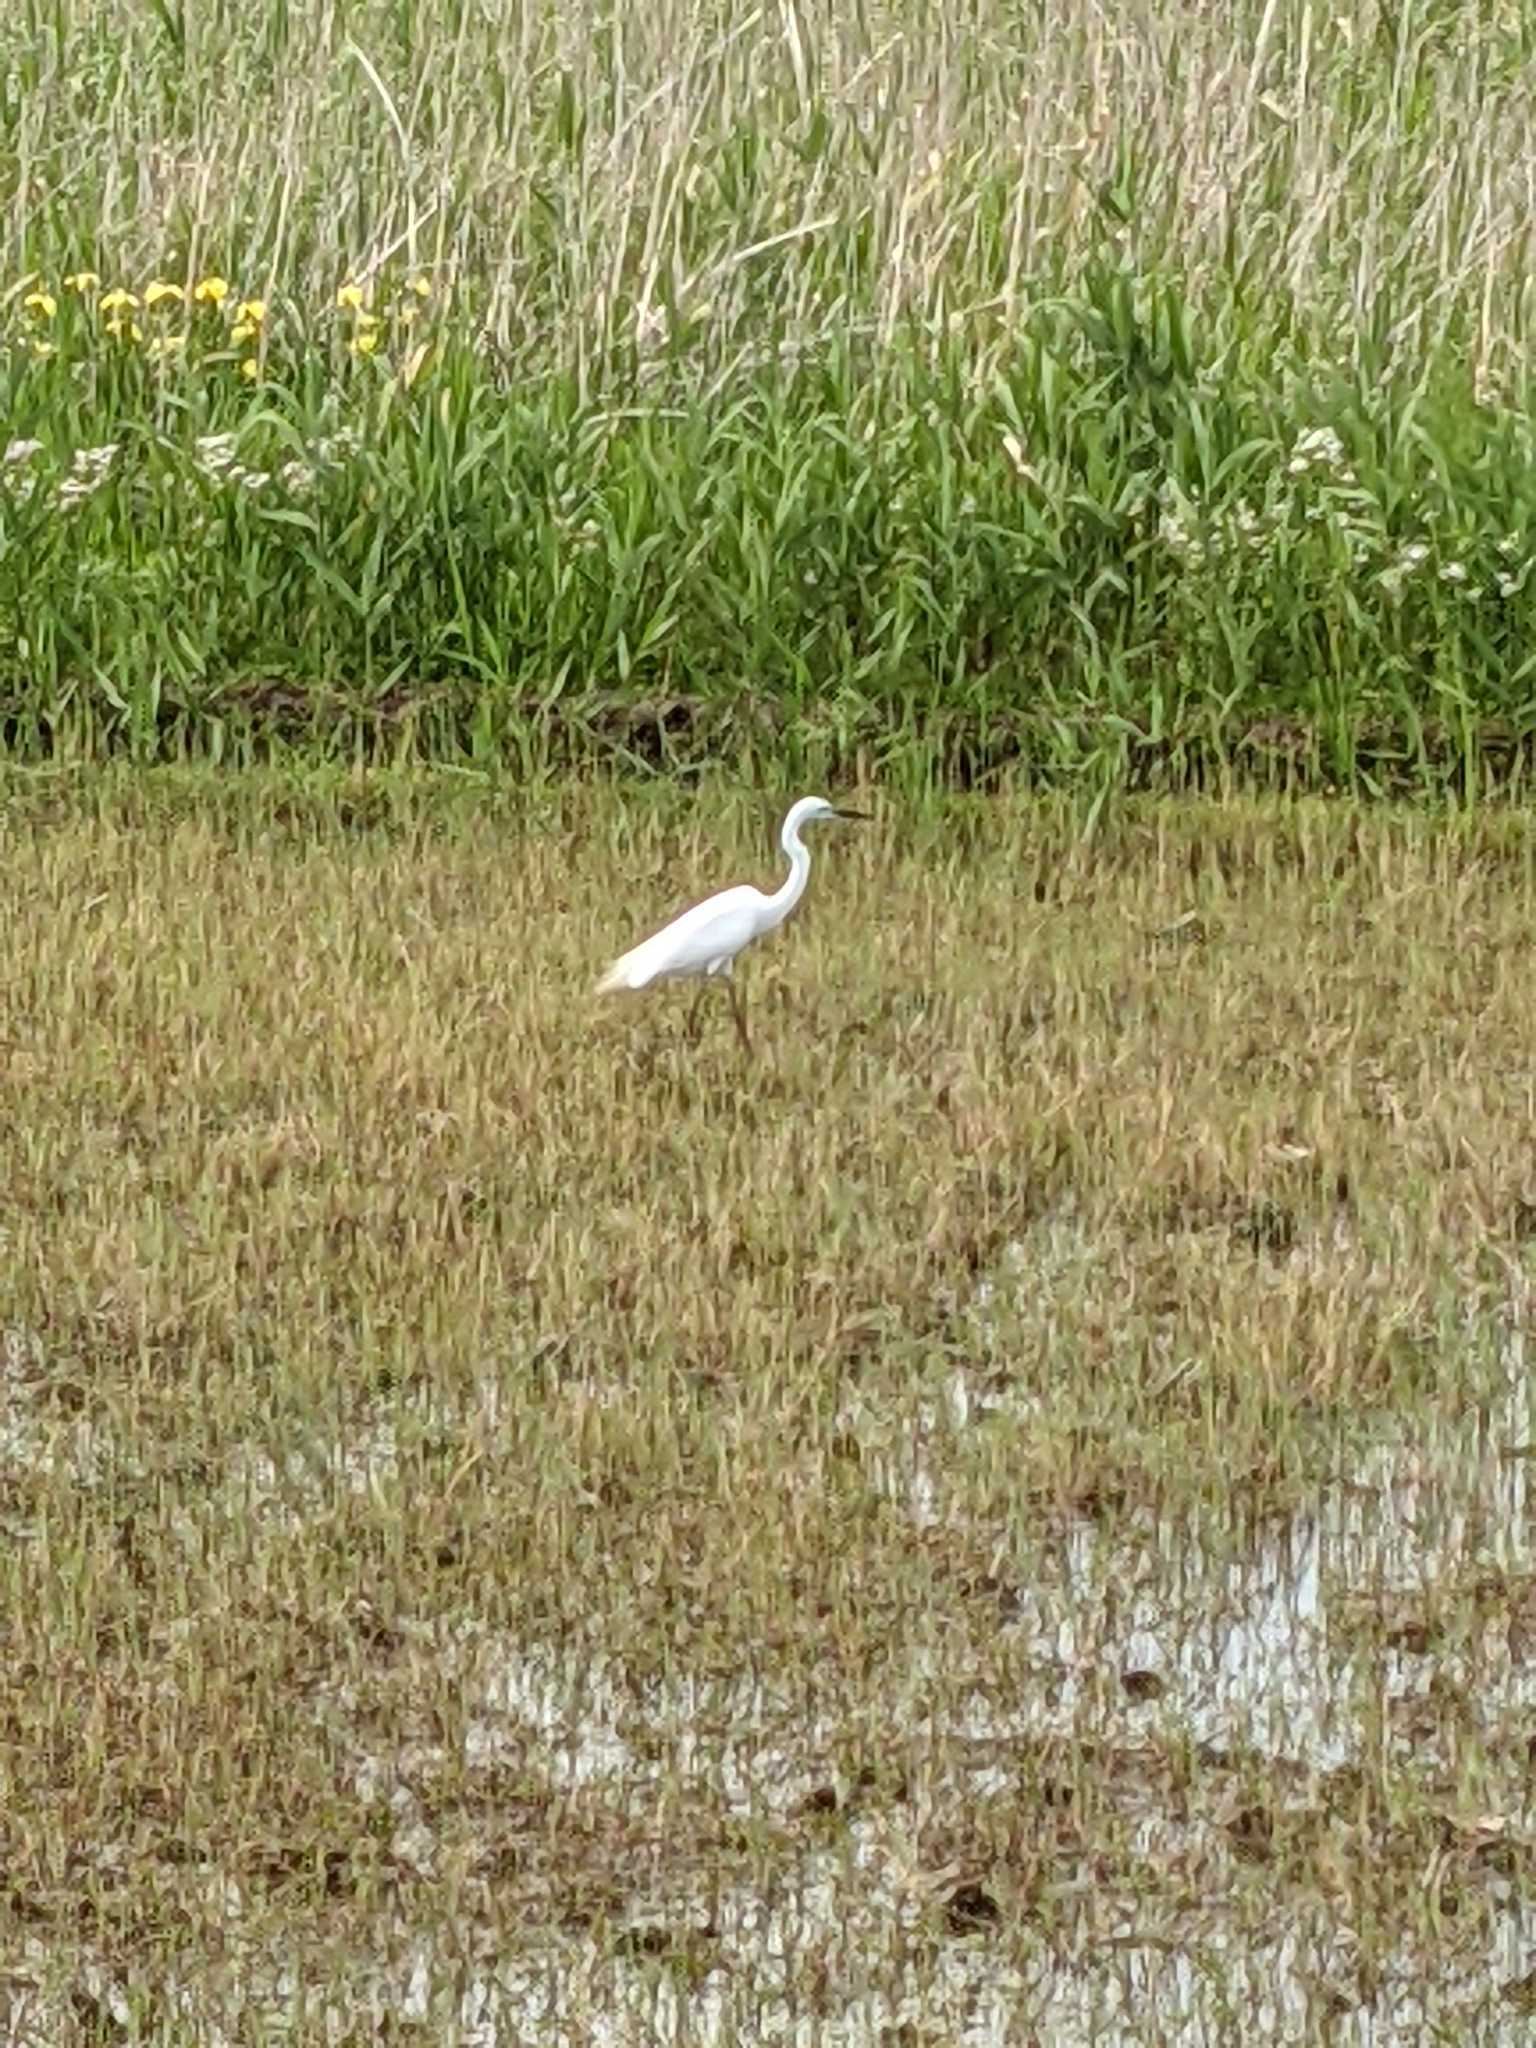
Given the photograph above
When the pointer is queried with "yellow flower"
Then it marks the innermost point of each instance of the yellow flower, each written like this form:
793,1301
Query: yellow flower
250,369
421,286
242,331
252,310
82,281
118,301
43,349
365,341
406,315
351,297
211,291
160,289
166,345
121,328
41,303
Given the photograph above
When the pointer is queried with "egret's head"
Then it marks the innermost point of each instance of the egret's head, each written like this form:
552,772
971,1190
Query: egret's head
813,807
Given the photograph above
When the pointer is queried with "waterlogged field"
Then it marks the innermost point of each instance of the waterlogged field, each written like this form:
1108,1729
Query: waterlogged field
1143,395
1005,1516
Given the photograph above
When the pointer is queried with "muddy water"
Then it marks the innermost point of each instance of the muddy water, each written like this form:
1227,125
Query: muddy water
1320,1649
1152,1638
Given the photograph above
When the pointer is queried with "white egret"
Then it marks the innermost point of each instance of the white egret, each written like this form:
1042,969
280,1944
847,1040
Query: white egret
705,940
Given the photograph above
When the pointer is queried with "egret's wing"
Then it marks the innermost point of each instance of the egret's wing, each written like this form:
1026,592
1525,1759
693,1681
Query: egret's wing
711,931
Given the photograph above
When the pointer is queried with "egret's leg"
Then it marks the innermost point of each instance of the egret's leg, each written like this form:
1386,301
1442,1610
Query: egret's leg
736,1011
693,1012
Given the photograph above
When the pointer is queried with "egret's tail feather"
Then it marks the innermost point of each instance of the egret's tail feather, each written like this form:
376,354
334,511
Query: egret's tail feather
618,978
635,969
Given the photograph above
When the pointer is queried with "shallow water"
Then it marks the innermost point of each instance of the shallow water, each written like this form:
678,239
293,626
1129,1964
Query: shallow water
1145,1639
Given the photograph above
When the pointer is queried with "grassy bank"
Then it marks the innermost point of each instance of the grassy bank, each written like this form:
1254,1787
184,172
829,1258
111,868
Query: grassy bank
1139,401
519,1523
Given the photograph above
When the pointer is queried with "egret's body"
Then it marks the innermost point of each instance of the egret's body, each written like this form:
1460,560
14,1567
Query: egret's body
705,940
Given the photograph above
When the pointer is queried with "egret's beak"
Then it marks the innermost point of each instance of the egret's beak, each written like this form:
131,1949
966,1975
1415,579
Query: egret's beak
856,817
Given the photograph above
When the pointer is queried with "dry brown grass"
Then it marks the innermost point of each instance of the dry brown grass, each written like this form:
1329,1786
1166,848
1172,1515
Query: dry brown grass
487,1481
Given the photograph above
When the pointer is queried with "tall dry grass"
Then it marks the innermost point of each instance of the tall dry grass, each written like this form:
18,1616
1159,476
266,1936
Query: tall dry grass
760,178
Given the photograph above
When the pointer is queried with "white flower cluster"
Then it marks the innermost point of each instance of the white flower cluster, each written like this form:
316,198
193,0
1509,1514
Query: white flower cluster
1319,452
214,455
23,475
88,471
333,449
17,476
1199,538
1310,484
1409,559
1177,534
1414,555
1513,579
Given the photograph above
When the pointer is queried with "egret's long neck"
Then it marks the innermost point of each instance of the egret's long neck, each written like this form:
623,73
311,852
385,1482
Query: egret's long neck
784,898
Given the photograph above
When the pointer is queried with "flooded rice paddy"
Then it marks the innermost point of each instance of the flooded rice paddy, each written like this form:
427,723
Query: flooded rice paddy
1007,1522
1153,1833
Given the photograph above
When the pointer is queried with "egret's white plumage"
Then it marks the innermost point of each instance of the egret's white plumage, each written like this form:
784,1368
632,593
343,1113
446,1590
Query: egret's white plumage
705,940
